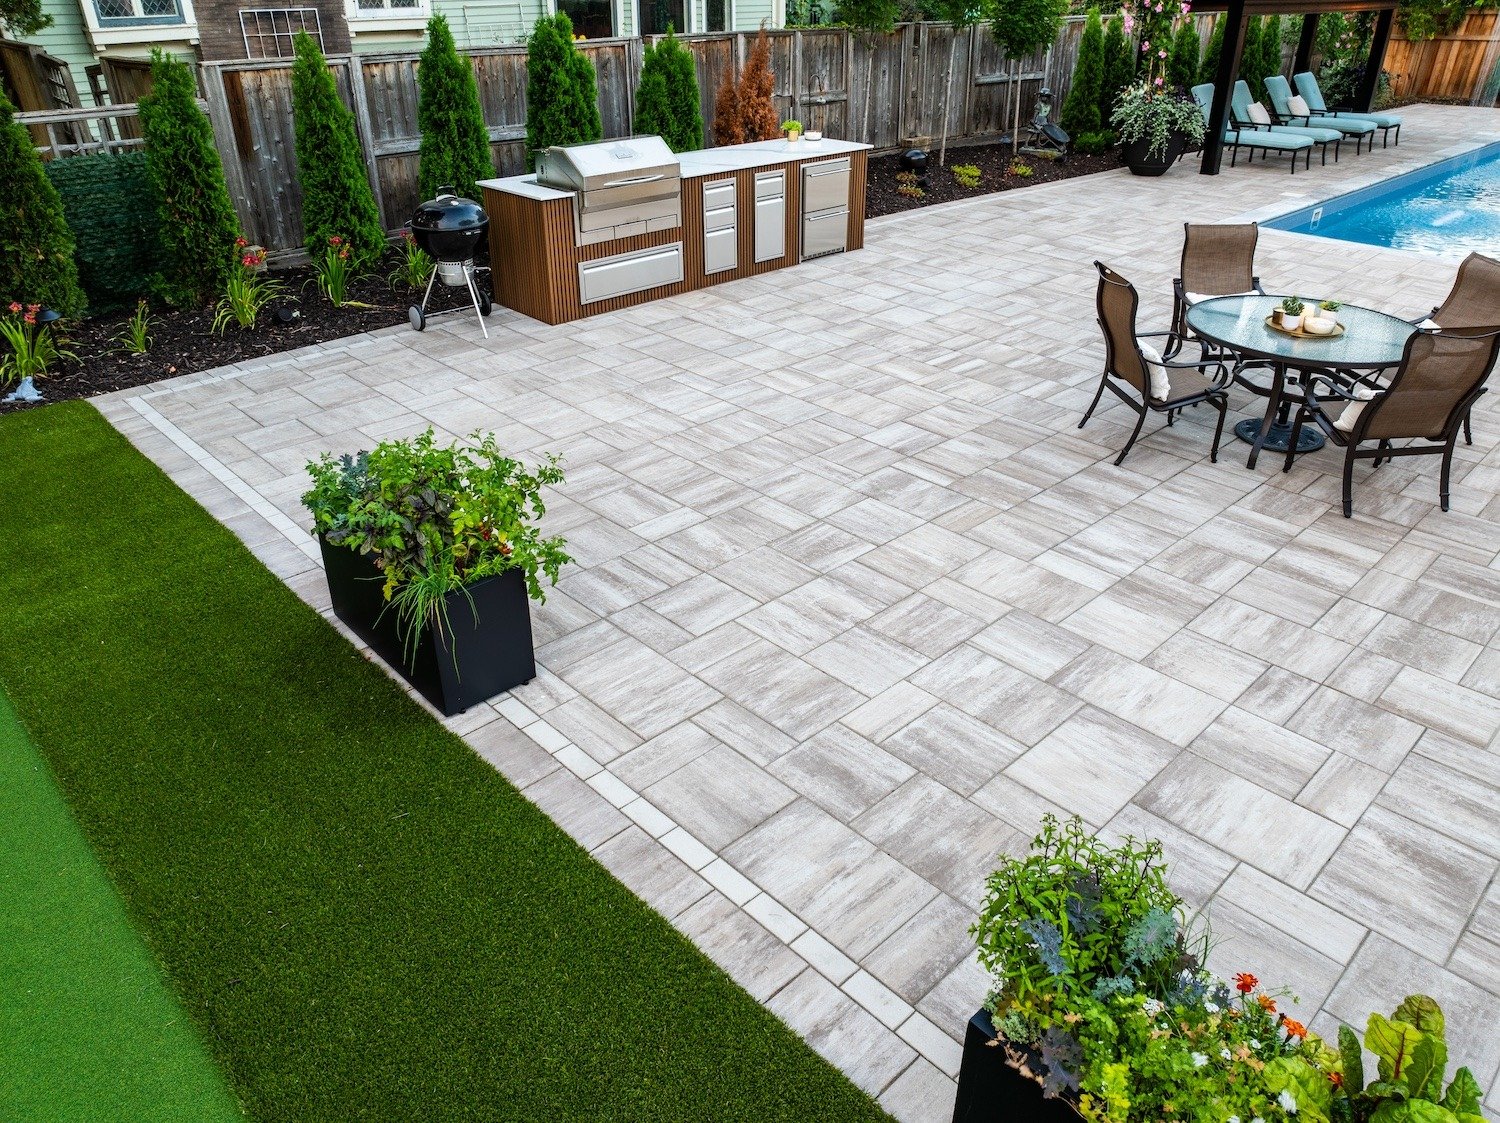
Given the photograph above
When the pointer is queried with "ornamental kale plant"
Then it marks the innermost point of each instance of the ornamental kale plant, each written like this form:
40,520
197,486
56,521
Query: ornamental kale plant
436,518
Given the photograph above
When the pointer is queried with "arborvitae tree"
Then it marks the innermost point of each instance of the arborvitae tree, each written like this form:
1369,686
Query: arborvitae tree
666,101
728,127
1182,66
1208,71
336,195
1270,50
1250,59
562,102
758,117
1119,68
36,246
455,148
23,19
198,223
1080,112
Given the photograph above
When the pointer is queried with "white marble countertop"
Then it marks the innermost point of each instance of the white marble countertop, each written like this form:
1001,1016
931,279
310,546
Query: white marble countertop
709,161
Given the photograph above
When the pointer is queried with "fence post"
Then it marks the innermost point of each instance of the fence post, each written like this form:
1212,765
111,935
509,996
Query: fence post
217,100
356,71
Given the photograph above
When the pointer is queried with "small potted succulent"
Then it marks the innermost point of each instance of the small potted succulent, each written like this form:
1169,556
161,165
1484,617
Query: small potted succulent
1329,310
793,131
1288,317
431,553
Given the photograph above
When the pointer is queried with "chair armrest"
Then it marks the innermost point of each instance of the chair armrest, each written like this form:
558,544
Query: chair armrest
1309,390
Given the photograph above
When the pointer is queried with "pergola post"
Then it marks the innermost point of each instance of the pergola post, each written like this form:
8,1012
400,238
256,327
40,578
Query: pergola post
1365,96
1309,39
1229,66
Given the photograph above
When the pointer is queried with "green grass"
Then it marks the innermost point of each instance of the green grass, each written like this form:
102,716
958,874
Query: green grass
363,920
91,1030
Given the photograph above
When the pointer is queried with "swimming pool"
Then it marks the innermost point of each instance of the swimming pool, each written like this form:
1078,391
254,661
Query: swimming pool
1448,209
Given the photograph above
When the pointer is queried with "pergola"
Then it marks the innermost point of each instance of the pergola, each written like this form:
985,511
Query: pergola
1239,12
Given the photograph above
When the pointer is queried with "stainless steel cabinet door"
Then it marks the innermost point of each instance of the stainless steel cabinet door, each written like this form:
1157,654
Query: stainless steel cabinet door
770,216
629,272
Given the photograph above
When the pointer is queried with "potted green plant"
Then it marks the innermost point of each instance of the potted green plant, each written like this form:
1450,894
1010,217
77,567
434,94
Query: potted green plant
431,553
793,131
1329,310
1155,125
1289,315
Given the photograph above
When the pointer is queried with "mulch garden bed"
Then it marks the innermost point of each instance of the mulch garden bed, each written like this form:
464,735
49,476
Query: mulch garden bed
883,197
183,340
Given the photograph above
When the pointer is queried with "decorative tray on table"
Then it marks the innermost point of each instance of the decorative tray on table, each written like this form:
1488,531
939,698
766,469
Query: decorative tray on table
1338,330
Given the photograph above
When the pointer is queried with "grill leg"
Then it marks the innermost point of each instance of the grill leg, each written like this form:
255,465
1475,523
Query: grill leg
431,278
474,296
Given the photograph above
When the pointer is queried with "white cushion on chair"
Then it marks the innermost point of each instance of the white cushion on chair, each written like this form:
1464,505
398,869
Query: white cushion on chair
1429,324
1258,114
1346,420
1197,297
1160,385
1298,105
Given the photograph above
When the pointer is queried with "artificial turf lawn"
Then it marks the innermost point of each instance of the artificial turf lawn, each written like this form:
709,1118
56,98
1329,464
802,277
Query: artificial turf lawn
361,917
90,1028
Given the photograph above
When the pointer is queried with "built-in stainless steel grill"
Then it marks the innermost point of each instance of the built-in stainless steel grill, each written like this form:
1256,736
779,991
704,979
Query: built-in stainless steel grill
621,188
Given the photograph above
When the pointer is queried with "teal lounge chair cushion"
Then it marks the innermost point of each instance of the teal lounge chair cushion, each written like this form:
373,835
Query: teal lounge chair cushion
1248,138
1307,86
1240,103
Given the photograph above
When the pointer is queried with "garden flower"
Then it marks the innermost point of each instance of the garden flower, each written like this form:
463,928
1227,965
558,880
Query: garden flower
1200,1059
1336,1079
1226,1054
15,305
1267,1003
1287,1101
1293,1028
1211,1007
1245,982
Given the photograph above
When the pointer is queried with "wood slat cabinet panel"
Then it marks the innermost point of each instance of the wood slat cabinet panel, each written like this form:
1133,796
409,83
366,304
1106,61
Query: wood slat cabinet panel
535,261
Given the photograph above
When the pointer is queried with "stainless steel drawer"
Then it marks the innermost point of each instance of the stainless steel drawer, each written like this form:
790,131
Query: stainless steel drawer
768,184
720,250
825,185
719,218
629,272
827,232
719,193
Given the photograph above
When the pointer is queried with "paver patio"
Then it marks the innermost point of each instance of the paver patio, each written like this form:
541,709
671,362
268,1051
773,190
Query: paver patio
855,602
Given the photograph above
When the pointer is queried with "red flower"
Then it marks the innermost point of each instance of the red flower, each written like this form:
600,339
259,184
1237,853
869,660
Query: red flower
30,317
33,308
1336,1079
335,241
241,243
15,305
1245,982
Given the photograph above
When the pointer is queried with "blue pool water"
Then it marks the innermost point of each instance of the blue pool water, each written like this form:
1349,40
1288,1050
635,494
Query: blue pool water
1448,209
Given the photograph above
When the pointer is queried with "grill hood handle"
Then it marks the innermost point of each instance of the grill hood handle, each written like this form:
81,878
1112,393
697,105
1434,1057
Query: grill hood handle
635,180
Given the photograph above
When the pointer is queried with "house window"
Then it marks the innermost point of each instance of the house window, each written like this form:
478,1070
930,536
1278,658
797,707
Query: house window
385,8
269,32
593,19
135,12
658,15
717,15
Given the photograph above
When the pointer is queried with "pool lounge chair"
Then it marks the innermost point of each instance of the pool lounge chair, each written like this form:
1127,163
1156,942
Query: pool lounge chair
1242,110
1279,90
1307,86
1253,140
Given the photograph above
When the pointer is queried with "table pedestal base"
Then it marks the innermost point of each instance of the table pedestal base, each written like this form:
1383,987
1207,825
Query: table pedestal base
1310,440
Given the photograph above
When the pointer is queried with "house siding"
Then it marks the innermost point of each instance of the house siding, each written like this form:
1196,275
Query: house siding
67,39
748,14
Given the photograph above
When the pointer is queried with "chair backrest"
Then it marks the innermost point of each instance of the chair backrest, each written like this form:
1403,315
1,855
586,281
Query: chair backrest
1239,102
1117,301
1218,260
1440,375
1203,94
1280,94
1474,299
1307,86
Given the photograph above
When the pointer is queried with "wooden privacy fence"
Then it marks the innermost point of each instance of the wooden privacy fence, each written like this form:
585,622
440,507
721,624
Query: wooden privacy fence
1459,66
878,89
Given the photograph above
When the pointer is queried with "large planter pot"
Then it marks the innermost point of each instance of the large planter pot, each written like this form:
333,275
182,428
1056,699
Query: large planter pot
484,650
1142,162
991,1091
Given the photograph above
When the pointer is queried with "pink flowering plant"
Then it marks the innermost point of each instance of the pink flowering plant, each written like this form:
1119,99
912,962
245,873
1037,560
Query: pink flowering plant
248,289
33,346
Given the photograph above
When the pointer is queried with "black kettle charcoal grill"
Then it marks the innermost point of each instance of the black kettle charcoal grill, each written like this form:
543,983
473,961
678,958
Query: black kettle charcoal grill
451,229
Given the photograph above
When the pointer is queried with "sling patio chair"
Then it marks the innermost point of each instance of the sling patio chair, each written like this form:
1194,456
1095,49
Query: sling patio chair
1285,110
1253,140
1251,114
1441,375
1216,261
1135,370
1472,303
1307,86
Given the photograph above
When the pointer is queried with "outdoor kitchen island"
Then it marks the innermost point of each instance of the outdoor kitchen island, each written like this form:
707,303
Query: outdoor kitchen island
609,225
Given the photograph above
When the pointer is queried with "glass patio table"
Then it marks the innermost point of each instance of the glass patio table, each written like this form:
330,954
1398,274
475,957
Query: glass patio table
1372,341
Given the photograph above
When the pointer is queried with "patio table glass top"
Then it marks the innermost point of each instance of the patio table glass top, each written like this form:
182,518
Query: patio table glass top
1371,339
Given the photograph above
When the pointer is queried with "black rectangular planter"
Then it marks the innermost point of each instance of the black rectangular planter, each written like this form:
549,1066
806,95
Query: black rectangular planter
990,1091
485,649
